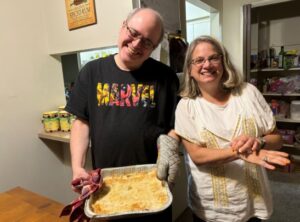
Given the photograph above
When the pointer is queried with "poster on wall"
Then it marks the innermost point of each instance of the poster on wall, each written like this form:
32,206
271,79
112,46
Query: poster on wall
80,13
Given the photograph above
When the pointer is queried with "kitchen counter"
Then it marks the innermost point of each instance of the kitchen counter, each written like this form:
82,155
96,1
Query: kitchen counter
56,136
19,204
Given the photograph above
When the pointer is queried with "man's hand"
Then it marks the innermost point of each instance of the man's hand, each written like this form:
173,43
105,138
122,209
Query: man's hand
79,175
168,159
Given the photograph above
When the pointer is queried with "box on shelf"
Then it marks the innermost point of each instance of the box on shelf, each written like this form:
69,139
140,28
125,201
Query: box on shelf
295,109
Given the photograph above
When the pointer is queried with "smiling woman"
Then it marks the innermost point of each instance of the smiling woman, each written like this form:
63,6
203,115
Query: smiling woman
223,124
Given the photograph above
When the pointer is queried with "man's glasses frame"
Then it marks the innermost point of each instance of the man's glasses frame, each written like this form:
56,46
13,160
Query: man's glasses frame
132,33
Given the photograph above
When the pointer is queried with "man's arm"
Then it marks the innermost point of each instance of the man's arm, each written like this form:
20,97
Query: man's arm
79,145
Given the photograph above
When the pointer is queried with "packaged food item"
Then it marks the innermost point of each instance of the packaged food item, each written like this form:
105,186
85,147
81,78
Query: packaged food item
295,109
289,59
288,136
61,108
50,121
72,119
64,121
281,57
275,107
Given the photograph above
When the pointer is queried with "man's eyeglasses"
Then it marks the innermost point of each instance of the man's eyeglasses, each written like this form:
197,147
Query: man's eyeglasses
214,59
146,43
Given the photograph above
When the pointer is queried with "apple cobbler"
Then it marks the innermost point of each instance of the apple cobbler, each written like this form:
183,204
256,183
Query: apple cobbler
133,192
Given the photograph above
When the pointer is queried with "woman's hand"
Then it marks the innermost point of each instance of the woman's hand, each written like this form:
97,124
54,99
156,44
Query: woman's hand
245,144
267,158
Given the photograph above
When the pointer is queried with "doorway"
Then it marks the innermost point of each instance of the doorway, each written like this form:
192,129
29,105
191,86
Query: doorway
201,19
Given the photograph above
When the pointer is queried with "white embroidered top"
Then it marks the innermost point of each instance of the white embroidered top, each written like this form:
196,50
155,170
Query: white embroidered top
234,191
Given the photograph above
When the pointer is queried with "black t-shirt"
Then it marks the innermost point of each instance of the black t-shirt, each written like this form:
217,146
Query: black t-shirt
126,111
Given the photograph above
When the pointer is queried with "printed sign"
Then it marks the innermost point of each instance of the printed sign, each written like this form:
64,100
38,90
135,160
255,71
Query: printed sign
80,13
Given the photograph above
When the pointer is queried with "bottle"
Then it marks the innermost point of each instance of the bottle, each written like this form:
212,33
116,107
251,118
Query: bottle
266,86
274,107
281,57
271,56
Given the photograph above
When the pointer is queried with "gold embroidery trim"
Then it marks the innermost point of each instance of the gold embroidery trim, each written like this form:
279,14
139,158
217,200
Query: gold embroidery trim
219,184
251,170
218,175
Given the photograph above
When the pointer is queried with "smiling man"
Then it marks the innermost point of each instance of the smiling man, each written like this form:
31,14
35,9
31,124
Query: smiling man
124,102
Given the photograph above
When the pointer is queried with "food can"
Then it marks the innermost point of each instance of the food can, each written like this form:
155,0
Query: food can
72,119
50,121
64,121
61,108
295,109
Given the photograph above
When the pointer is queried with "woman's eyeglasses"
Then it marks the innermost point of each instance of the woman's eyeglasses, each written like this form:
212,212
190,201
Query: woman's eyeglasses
200,61
132,33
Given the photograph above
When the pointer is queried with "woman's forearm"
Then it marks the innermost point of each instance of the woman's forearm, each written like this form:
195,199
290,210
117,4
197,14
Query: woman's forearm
273,142
202,155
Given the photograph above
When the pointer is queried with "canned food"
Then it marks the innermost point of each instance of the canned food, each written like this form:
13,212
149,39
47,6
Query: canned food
72,119
64,121
50,121
63,114
50,114
61,108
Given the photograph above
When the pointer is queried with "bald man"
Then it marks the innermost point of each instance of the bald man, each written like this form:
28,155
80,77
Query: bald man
124,102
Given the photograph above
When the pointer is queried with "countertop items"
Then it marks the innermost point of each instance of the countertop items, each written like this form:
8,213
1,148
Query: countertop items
19,204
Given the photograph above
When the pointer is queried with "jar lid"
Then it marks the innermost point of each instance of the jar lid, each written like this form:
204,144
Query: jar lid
63,113
50,114
61,108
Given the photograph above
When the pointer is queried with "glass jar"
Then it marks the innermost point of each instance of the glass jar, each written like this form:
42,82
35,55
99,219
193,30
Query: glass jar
50,121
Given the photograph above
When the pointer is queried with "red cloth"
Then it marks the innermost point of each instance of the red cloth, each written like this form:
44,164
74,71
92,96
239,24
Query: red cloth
87,186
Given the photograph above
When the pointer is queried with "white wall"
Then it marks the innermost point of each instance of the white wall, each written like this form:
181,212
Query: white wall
32,82
232,27
281,32
110,15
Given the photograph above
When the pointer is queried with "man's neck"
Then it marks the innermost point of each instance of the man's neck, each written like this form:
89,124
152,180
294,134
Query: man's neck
123,66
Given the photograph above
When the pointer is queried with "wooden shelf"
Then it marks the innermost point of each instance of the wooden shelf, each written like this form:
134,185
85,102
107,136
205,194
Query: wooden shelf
287,120
56,136
292,146
280,94
274,69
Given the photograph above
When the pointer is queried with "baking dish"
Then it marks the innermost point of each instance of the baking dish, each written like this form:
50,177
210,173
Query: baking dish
120,171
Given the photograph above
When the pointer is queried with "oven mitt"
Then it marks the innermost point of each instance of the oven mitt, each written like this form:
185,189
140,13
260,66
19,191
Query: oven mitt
168,159
87,186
